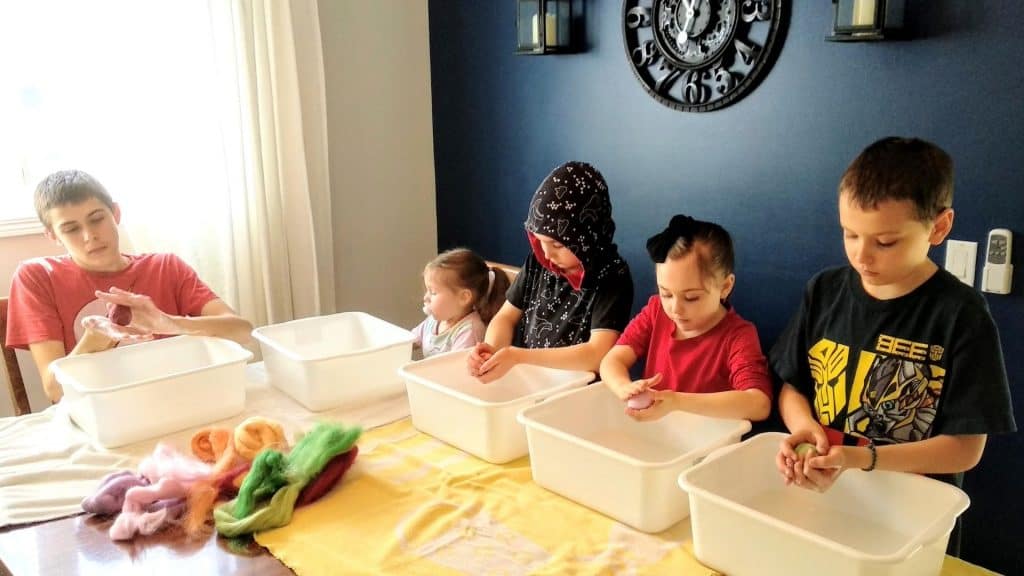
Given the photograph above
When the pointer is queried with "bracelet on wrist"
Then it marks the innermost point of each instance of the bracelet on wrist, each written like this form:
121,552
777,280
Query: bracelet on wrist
874,456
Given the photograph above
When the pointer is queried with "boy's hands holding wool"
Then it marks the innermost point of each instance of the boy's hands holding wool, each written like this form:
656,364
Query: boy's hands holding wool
131,318
800,469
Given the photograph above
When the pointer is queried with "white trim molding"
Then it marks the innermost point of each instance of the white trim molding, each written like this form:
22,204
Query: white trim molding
20,227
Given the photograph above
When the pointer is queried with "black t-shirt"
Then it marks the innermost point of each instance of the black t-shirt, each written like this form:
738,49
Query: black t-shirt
555,315
898,370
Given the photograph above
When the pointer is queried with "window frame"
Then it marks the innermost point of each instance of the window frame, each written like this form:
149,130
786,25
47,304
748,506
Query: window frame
26,226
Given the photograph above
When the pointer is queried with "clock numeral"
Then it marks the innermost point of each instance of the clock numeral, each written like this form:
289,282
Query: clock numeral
723,80
756,10
664,84
645,54
748,52
695,92
638,17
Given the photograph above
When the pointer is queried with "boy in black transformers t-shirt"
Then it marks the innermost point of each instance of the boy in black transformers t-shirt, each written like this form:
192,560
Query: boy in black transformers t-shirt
573,296
891,362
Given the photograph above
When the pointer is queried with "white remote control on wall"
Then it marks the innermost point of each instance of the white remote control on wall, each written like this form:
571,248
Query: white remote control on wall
998,272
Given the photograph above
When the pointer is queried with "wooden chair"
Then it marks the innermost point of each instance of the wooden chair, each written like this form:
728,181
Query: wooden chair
15,384
510,271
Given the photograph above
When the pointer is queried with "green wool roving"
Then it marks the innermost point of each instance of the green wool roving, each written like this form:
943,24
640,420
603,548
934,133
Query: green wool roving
281,478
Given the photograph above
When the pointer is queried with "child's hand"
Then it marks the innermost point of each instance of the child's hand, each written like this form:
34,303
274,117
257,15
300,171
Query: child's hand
102,333
789,463
480,353
628,389
498,364
822,471
662,405
146,318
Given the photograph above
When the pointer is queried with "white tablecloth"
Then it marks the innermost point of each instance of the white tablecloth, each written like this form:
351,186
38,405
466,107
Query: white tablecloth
47,464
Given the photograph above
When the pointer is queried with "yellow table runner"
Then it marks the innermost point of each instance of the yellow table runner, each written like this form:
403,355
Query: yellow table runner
414,505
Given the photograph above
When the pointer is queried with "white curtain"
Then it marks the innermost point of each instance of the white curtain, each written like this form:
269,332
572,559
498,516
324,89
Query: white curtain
205,119
274,121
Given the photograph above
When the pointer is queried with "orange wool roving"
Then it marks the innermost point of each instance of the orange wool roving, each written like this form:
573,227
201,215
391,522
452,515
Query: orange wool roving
232,450
210,443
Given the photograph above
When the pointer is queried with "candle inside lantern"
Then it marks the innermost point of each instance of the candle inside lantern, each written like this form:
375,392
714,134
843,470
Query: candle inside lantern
863,12
550,30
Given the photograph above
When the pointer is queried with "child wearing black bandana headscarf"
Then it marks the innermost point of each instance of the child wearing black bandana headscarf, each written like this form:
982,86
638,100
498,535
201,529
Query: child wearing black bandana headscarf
573,296
701,356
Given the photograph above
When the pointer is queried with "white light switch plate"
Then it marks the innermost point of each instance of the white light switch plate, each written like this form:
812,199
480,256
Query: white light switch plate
961,258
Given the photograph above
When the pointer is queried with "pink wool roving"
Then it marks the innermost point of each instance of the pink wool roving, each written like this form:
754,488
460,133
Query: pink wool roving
166,462
158,515
142,512
109,497
169,474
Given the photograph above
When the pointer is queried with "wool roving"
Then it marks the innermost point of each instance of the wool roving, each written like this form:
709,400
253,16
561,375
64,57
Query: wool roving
327,478
166,462
230,451
209,444
256,433
142,512
282,478
202,495
156,516
169,474
109,497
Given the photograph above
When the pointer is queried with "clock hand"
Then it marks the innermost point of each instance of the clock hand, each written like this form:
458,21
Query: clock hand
684,35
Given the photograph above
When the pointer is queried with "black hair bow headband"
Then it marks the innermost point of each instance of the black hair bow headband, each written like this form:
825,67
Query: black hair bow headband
681,226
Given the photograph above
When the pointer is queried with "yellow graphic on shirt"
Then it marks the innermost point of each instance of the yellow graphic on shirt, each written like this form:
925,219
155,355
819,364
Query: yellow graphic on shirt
893,395
828,362
897,399
894,346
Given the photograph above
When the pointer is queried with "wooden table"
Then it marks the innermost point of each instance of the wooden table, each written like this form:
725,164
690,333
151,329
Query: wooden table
79,545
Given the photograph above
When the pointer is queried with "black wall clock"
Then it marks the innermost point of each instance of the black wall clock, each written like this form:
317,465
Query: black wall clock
702,55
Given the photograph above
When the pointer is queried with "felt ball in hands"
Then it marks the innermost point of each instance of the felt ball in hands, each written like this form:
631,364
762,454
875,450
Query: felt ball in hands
806,450
640,401
120,315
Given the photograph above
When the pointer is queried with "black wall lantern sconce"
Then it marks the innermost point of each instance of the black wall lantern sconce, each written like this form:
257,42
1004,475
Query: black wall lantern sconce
860,20
544,27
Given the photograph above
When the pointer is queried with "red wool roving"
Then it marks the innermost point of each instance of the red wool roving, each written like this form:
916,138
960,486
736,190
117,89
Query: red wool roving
120,315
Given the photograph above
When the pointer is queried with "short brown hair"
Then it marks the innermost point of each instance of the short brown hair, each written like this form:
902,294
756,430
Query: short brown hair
68,187
901,169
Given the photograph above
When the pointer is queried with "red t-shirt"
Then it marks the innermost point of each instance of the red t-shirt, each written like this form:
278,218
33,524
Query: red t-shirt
50,296
727,357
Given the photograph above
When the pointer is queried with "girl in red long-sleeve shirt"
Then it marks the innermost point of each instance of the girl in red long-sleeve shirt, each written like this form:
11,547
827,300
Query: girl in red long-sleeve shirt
701,356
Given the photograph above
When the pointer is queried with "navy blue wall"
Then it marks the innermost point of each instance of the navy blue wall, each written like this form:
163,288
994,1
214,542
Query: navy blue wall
766,168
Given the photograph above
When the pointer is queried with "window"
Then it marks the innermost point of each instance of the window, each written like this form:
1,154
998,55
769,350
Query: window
128,91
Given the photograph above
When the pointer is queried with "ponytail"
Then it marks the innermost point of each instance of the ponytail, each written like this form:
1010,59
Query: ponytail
492,301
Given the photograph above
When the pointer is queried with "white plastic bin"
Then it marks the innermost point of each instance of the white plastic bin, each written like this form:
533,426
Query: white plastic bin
584,447
449,404
134,393
324,362
746,521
